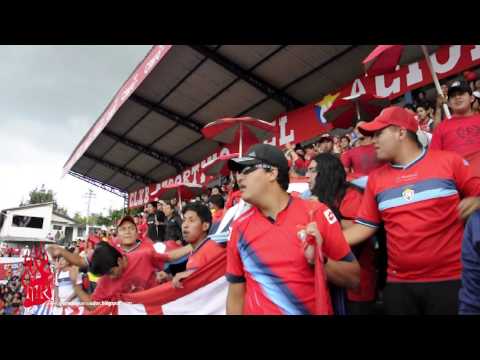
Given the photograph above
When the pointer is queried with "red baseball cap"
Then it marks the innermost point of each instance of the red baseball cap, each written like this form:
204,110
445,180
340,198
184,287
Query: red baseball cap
126,218
393,115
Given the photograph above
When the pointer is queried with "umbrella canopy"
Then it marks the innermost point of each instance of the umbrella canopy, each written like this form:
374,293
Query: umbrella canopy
230,130
185,191
220,165
384,58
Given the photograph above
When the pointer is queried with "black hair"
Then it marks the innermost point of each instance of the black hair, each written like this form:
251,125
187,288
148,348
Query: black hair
309,146
324,139
330,182
202,211
218,201
283,179
424,104
345,137
170,205
104,258
409,106
413,137
153,203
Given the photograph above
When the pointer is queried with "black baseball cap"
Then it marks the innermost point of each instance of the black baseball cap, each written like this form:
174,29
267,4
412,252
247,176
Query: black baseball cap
459,86
261,154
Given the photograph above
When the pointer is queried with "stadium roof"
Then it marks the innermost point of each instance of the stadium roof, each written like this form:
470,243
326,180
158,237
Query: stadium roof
151,129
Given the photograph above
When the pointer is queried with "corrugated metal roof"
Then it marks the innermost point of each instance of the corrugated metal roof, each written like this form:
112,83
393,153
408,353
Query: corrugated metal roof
156,131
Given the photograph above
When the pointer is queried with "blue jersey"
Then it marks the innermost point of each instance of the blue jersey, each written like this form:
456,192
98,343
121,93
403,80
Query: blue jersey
469,298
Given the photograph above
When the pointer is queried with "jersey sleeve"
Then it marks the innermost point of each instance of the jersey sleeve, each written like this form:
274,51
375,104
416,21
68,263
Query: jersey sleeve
467,183
350,204
158,259
334,245
368,214
346,160
436,143
235,272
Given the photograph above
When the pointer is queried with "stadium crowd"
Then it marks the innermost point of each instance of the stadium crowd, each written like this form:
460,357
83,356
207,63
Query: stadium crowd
391,216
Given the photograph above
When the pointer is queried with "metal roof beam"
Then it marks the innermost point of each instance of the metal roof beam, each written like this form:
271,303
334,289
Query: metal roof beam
140,178
99,184
172,161
177,118
278,95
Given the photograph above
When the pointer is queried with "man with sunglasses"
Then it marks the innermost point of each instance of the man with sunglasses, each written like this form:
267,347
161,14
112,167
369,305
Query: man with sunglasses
417,196
266,264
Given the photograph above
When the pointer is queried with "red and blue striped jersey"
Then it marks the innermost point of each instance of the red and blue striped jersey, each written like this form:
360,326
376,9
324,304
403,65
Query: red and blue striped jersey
268,256
418,205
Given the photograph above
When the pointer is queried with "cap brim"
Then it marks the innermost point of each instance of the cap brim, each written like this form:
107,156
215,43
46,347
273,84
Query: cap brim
240,162
458,89
370,128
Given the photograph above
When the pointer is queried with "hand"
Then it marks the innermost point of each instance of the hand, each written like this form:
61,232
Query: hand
441,100
179,242
162,277
73,274
176,282
468,206
289,146
310,254
312,230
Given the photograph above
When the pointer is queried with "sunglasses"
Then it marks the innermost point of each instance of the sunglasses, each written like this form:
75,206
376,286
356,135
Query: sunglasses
249,169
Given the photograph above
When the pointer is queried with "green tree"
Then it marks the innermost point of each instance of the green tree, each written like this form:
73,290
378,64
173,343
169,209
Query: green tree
79,219
42,195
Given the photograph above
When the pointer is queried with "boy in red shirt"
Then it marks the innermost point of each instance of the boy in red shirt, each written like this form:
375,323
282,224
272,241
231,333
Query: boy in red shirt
197,220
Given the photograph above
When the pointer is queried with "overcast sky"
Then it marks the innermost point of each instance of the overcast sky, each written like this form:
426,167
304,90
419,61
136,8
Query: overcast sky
50,97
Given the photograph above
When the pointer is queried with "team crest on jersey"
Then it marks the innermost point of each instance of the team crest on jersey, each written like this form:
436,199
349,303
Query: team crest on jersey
330,216
408,194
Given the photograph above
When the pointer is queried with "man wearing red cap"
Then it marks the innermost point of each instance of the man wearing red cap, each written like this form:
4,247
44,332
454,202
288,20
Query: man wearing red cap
127,266
417,197
461,133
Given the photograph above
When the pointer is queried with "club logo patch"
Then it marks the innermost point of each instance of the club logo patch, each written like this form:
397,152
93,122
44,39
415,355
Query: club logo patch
408,194
330,216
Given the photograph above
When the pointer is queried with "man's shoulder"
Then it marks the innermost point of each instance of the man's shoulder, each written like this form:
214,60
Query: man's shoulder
243,218
437,157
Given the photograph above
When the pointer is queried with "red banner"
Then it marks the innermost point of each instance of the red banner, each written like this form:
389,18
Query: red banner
308,122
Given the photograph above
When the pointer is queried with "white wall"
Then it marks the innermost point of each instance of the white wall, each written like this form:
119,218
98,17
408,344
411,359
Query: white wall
44,212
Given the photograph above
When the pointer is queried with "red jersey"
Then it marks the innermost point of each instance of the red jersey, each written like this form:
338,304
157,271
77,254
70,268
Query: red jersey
364,252
460,134
204,254
302,164
268,256
362,159
418,205
139,275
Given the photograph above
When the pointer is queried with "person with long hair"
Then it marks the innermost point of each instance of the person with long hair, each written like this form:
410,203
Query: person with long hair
328,184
